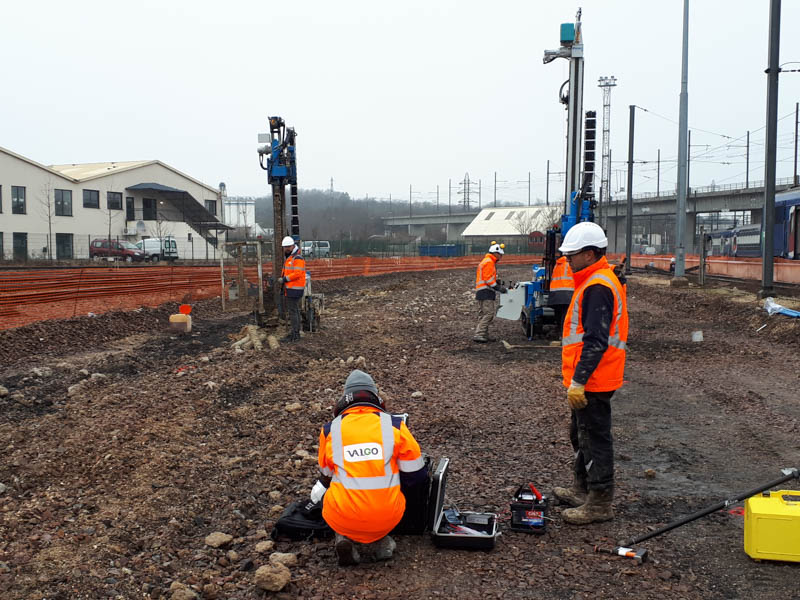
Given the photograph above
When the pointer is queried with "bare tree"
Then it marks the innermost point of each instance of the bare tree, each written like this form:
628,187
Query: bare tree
48,210
110,213
524,222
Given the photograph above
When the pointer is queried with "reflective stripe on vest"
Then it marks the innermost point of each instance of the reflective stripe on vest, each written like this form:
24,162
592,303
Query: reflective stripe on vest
613,340
561,279
380,482
485,283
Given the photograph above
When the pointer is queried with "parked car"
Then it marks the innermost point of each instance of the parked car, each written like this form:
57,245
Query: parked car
316,249
156,249
115,250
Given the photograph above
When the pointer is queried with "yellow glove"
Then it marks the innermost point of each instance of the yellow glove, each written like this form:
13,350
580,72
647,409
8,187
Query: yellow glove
576,396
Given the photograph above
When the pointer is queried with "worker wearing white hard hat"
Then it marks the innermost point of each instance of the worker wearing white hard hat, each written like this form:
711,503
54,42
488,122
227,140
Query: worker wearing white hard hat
293,279
594,340
486,284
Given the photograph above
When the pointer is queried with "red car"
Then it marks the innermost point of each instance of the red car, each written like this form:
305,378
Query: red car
116,249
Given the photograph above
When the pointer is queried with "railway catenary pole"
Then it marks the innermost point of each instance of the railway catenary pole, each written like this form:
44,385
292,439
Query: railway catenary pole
605,83
658,173
449,196
796,118
547,189
683,127
773,69
629,191
747,163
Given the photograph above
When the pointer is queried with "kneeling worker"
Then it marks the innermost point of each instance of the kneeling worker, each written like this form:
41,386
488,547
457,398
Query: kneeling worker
363,455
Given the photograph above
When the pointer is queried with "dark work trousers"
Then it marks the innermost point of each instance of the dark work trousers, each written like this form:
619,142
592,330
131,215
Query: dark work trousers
293,307
559,312
590,434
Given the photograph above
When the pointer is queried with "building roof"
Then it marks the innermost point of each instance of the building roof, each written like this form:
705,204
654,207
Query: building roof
500,222
86,171
82,171
36,164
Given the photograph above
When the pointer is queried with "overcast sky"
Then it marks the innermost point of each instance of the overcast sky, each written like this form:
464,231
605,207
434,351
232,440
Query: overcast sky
386,95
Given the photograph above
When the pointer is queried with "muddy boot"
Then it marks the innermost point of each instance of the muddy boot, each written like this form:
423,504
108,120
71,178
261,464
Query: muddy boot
480,339
572,496
346,551
597,508
383,548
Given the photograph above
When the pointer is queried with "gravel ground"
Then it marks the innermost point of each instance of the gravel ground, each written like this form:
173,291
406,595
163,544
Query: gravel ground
110,489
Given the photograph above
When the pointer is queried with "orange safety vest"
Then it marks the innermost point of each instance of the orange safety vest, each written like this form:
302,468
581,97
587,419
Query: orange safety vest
363,451
486,276
294,273
562,279
608,374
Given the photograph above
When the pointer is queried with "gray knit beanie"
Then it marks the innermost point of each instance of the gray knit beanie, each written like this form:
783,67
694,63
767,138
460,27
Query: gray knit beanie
358,381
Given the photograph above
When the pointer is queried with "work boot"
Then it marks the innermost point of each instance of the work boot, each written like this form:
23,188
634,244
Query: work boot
346,551
383,548
480,339
596,508
573,496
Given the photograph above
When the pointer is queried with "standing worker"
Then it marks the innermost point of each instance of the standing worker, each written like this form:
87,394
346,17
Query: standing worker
592,363
562,287
485,286
364,454
293,279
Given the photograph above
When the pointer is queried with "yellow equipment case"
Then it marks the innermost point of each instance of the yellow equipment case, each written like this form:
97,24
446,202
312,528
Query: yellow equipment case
772,526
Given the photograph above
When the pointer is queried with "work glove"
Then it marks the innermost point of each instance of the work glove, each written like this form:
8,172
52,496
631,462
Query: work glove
318,491
502,289
576,396
281,280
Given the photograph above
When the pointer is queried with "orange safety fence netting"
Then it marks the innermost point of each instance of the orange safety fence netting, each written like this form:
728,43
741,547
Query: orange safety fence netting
30,295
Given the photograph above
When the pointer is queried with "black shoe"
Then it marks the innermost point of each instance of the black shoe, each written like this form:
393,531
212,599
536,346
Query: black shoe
480,340
288,339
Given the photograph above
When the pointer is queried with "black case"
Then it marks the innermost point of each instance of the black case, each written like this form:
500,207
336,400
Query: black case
485,523
418,516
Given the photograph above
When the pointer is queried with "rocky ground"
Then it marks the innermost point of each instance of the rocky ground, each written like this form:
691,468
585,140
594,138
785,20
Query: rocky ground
125,447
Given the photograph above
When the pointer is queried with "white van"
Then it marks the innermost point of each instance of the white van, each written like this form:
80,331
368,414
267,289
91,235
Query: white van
316,249
156,249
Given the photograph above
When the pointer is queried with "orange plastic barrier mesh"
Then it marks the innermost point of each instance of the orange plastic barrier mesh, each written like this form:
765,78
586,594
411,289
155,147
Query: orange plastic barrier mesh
30,295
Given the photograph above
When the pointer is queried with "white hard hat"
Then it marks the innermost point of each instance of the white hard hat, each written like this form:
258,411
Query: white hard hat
287,241
583,235
497,248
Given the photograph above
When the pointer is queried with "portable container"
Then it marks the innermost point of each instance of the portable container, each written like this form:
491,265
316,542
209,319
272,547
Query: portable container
180,323
460,530
772,526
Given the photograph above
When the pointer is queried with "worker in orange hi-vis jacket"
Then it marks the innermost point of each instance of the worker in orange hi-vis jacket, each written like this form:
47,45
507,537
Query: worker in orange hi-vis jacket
364,453
485,287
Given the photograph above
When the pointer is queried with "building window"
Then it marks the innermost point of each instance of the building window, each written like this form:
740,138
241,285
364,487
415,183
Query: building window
17,200
20,241
130,211
63,203
91,199
63,246
211,206
114,200
148,209
1,212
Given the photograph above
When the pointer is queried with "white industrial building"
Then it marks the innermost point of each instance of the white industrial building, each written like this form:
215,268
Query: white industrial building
510,223
240,214
55,211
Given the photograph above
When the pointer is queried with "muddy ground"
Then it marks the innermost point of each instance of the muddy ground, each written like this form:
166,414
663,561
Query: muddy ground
111,491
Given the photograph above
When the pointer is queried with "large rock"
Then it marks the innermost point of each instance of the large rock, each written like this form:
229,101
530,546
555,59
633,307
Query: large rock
265,546
218,539
42,371
272,577
287,559
293,407
3,391
181,591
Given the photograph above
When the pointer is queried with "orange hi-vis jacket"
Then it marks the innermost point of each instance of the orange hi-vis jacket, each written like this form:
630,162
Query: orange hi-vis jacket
294,274
363,451
486,276
562,284
609,372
